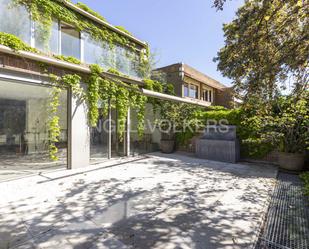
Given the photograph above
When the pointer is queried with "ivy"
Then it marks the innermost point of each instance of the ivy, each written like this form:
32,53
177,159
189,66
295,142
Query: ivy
44,11
15,43
92,12
123,29
68,81
93,93
53,124
68,59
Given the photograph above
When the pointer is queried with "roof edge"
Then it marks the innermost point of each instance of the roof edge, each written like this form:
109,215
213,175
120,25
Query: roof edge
98,20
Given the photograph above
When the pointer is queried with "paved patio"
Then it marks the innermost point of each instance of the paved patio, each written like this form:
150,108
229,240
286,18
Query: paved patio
156,201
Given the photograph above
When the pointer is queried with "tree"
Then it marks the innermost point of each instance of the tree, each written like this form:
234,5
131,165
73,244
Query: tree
266,45
218,4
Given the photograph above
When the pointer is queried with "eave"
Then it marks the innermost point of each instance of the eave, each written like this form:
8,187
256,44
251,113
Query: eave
75,8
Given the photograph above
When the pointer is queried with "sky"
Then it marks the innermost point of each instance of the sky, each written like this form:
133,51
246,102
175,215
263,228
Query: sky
188,31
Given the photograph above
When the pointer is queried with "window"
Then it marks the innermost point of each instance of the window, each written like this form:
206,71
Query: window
185,90
53,44
193,92
24,125
15,20
122,60
93,50
70,41
205,95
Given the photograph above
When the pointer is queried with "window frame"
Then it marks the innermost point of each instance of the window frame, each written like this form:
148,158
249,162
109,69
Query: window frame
207,94
81,42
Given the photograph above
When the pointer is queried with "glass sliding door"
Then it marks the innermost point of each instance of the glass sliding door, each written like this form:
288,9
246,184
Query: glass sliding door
24,132
99,140
118,142
149,141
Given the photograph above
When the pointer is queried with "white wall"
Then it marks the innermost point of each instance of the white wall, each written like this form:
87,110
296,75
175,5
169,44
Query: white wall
80,135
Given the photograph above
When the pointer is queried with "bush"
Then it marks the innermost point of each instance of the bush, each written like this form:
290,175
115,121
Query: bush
305,179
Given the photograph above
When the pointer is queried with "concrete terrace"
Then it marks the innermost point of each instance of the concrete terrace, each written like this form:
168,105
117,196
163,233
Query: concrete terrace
155,201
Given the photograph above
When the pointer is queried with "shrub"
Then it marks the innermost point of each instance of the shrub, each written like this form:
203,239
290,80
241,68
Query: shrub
305,179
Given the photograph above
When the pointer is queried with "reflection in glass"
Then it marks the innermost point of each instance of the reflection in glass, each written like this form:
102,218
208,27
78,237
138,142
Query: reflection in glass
150,140
93,50
53,44
193,92
70,41
186,90
99,140
15,20
24,127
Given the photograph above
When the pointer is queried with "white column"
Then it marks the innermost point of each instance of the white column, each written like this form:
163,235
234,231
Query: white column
128,131
109,142
79,133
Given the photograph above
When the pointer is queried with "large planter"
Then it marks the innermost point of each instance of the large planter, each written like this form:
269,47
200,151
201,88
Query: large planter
167,145
291,161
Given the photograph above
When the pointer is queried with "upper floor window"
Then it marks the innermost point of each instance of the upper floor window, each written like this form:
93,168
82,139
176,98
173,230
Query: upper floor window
70,41
15,20
93,50
193,91
186,90
52,45
126,61
64,39
207,95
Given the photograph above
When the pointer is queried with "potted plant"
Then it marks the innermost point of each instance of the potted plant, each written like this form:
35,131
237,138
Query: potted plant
291,123
167,142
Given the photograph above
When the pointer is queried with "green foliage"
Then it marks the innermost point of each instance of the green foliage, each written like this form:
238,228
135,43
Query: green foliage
233,117
14,43
265,47
69,59
44,10
281,124
291,122
123,30
114,71
71,81
93,94
53,123
120,95
305,179
92,12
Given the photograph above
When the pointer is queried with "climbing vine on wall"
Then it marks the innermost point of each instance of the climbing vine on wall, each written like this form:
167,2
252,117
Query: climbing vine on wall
44,11
68,81
93,93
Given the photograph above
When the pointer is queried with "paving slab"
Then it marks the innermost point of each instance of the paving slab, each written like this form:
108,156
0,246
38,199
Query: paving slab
153,201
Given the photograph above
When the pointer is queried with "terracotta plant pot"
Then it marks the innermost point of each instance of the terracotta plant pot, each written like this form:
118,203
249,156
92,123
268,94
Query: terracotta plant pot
167,145
291,161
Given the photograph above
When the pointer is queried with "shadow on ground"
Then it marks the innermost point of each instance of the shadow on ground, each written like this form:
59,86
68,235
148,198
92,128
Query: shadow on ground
157,202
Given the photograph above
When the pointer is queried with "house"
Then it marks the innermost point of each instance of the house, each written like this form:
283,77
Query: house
39,120
191,83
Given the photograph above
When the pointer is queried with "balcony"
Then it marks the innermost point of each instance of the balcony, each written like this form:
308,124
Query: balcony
66,40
